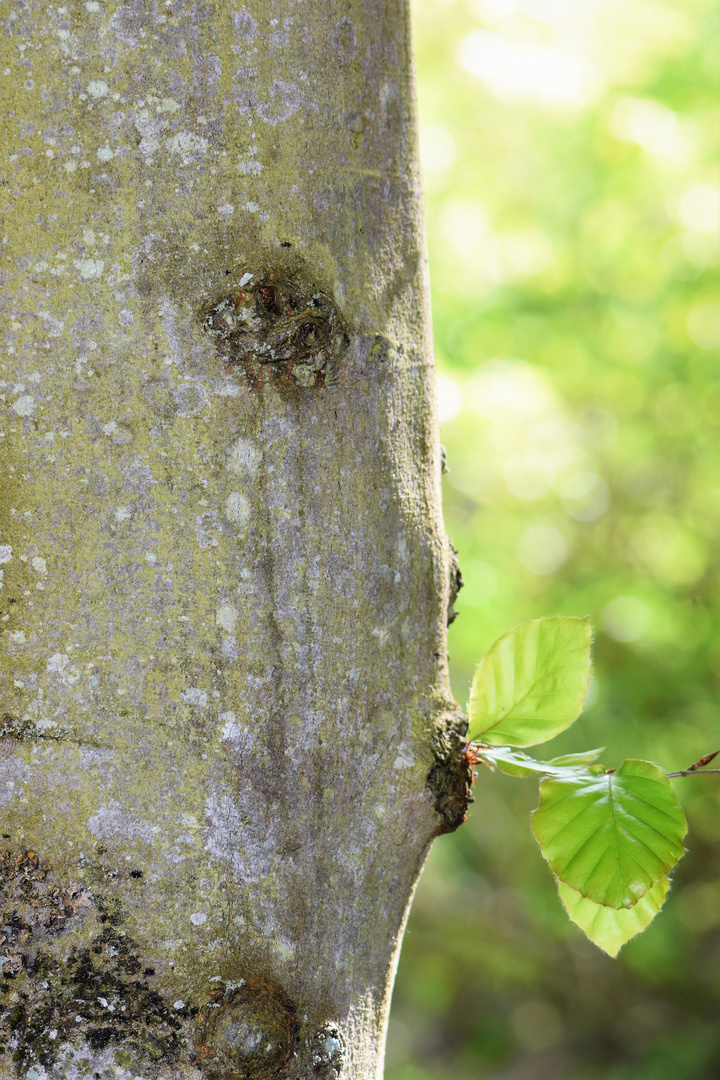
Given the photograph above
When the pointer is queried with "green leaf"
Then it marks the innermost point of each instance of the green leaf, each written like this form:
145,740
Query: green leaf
584,758
531,684
513,762
611,837
608,927
516,763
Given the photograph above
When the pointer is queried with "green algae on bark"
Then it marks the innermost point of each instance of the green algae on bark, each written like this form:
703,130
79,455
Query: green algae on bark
230,592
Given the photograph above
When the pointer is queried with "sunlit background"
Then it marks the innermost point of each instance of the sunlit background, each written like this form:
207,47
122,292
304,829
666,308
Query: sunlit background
570,154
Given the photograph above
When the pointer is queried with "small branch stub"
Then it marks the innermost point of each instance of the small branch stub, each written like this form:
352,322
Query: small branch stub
278,330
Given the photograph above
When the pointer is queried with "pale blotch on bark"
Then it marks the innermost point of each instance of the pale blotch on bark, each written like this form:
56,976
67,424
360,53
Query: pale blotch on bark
225,582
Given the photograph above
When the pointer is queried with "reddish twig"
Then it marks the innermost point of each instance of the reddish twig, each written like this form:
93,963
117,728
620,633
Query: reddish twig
698,766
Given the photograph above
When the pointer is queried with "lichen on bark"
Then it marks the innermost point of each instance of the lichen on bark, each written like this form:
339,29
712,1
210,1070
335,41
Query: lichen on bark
71,976
228,593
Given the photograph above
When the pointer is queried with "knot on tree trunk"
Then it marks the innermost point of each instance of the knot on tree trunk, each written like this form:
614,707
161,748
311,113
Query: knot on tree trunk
451,777
278,329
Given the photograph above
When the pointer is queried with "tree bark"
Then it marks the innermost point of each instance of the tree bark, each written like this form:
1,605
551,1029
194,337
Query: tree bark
225,579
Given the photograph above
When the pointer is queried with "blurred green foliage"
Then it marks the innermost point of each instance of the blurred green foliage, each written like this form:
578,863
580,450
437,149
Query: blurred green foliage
573,207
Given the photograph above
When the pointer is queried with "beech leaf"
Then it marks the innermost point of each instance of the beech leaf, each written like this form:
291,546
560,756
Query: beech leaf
609,928
532,683
611,837
586,757
516,763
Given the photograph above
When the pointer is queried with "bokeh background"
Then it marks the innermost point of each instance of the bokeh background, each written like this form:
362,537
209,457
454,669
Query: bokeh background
570,161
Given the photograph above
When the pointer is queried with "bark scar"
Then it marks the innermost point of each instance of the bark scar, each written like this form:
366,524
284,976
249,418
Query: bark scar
278,330
246,1031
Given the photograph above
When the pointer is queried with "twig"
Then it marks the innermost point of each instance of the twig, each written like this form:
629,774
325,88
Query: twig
698,765
693,772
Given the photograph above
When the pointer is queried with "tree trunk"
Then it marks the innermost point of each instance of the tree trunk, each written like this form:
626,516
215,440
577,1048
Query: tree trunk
225,580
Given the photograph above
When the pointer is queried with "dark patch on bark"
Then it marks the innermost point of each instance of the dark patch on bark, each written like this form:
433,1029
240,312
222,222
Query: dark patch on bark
451,777
11,727
279,330
456,581
327,1052
46,983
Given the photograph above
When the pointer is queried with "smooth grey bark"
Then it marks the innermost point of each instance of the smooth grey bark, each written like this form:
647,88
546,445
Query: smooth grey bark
225,579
